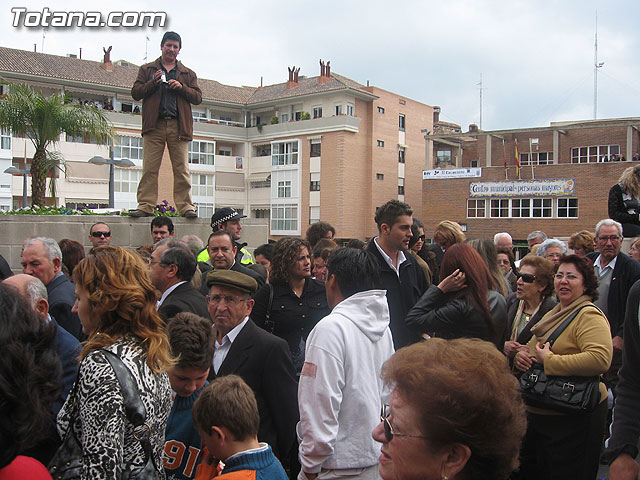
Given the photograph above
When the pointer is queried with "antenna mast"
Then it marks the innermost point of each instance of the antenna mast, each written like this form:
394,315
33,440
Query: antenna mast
596,66
480,84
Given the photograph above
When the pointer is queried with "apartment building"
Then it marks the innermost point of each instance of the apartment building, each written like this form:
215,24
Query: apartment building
323,147
566,171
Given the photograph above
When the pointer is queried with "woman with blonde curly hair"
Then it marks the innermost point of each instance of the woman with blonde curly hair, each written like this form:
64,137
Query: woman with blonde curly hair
293,302
623,201
115,301
582,242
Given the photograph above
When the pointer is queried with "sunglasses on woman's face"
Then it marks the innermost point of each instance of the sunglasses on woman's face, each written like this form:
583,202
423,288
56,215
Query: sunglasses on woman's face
389,433
526,277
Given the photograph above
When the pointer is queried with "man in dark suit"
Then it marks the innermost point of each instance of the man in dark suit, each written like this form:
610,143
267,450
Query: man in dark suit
222,256
260,358
42,258
171,269
67,347
616,274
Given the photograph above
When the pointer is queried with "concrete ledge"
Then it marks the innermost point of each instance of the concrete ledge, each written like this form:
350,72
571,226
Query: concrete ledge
127,231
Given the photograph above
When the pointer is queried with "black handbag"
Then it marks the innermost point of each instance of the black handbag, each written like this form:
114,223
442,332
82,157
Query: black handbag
66,464
566,394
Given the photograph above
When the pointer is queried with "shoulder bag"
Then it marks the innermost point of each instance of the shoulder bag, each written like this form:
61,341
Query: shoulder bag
67,462
573,394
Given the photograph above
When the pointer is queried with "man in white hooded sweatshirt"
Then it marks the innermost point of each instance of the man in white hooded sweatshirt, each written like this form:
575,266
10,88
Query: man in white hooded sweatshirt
340,391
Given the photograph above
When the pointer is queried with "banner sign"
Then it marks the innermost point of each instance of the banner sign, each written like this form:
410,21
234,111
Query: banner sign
516,188
451,173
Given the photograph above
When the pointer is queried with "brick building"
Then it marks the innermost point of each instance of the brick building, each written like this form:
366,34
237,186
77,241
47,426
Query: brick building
566,172
322,147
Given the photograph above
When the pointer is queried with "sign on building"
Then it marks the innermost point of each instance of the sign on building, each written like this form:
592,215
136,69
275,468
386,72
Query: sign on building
517,188
451,173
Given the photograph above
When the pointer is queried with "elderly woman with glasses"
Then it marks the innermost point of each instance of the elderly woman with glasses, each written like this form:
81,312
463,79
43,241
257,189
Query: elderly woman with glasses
530,302
454,413
552,249
561,445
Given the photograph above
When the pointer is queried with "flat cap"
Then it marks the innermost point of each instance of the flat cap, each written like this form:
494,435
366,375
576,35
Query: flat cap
224,215
232,279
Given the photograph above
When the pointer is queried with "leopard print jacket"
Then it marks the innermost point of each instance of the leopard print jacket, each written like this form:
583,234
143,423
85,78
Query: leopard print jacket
100,423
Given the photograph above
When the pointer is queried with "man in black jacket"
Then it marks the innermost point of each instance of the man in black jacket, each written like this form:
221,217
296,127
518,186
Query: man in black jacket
402,277
171,269
616,273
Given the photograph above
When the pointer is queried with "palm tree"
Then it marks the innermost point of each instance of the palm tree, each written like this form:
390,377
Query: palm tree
28,113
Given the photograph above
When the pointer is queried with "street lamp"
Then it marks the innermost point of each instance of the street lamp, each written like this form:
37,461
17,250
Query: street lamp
24,172
125,162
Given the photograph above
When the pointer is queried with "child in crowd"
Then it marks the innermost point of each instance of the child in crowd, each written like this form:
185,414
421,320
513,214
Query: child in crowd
226,416
192,339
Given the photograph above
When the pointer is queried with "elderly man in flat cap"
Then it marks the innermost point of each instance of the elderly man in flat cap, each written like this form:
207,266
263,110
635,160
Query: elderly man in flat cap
260,358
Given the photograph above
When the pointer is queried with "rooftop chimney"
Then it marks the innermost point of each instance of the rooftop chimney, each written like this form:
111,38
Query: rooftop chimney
293,77
325,72
436,114
106,63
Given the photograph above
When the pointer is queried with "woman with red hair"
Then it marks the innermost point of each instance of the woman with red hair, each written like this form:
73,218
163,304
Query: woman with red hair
463,304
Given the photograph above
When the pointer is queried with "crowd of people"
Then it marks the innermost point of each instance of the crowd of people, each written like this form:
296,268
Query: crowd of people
318,357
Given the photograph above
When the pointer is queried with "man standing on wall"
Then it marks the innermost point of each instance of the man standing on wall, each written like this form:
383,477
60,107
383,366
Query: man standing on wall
167,89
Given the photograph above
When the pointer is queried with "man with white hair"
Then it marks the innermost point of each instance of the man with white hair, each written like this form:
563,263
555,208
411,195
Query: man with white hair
42,258
536,237
503,239
616,274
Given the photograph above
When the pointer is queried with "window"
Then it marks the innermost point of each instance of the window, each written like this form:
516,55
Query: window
199,116
202,185
521,207
262,150
315,182
443,158
284,189
567,208
379,176
381,110
401,155
314,215
594,154
205,210
500,208
261,213
5,139
350,109
226,151
338,109
284,117
476,208
284,217
401,186
537,158
74,138
474,163
297,116
402,101
125,180
401,122
202,152
285,153
127,147
317,112
262,184
316,149
380,143
542,207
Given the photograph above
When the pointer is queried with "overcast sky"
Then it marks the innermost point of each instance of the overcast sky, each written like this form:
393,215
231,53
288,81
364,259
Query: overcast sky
536,58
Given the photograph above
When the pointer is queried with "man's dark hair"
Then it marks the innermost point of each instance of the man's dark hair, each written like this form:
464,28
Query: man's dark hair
390,211
171,36
98,223
355,270
317,231
221,233
191,339
266,250
161,222
178,254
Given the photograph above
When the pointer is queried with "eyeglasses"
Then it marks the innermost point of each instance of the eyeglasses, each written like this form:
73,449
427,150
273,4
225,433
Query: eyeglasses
569,276
388,429
526,277
101,234
421,237
229,300
613,238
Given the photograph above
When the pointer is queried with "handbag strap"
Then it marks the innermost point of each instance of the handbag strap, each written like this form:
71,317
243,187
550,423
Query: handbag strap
134,408
268,323
558,331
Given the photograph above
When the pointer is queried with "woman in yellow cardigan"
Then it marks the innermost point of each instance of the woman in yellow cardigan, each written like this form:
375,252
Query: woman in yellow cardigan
556,445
